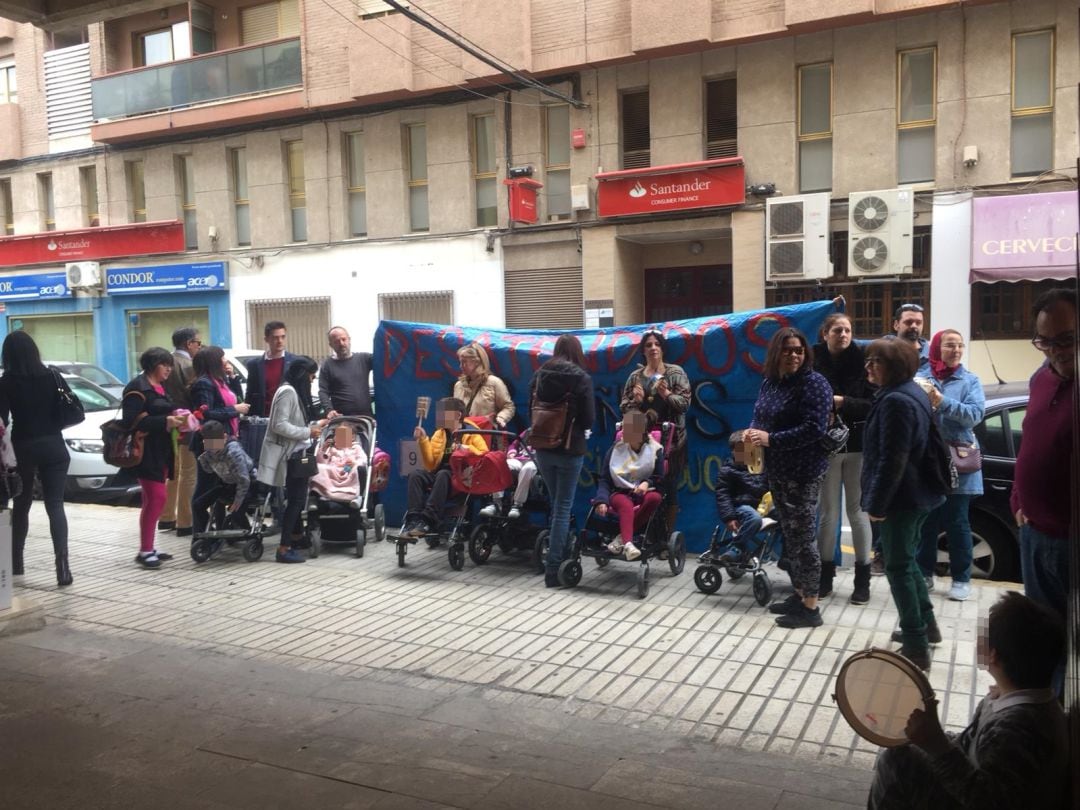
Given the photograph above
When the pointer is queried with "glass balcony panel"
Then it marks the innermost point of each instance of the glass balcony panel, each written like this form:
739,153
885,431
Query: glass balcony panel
229,74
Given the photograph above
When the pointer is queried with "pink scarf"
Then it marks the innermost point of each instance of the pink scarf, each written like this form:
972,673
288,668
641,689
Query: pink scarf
230,401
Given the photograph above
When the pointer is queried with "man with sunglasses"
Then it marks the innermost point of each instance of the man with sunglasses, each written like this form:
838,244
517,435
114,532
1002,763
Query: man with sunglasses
1042,485
908,325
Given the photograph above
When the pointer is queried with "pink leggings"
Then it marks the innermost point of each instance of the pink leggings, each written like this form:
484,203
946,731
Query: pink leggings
633,517
153,501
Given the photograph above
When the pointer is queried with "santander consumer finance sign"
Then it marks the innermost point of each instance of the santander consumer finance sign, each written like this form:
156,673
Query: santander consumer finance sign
681,187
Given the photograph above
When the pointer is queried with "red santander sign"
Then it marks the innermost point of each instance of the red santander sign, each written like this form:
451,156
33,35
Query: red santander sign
681,187
120,241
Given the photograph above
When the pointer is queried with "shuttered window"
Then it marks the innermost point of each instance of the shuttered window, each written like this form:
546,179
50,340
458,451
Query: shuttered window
635,130
269,21
306,322
544,299
721,119
68,104
421,307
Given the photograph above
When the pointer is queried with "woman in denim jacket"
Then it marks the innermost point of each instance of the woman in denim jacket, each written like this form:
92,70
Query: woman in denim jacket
956,395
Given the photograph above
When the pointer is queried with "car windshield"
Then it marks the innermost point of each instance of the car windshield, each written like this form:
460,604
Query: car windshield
92,397
94,374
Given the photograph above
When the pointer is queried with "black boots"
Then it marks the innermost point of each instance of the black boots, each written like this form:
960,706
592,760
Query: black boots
16,562
63,573
828,572
861,594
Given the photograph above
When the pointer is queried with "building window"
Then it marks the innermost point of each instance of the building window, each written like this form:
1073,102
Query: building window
88,183
46,201
420,307
133,169
635,130
9,89
557,160
354,156
484,182
7,212
721,119
269,21
369,9
1032,103
1001,310
294,162
815,128
916,115
55,40
185,171
416,147
241,204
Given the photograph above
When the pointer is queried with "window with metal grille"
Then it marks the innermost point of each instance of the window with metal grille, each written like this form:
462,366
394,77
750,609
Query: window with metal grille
416,151
544,299
354,158
136,188
185,174
46,200
241,203
721,119
306,322
294,164
88,186
916,115
870,306
815,127
1002,309
635,130
484,181
7,213
423,307
557,160
1032,103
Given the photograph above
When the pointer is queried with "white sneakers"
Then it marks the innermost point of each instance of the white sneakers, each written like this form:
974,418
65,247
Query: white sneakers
631,551
514,513
618,547
615,546
960,591
490,510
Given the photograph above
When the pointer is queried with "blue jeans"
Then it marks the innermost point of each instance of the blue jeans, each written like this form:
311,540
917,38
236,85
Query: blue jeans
952,518
1044,564
559,473
749,526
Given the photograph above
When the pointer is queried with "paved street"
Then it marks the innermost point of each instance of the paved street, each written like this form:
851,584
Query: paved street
350,682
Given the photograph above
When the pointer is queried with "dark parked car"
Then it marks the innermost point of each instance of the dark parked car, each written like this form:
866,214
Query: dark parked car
993,528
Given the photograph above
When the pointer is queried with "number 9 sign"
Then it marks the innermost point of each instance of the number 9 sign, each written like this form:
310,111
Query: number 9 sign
409,455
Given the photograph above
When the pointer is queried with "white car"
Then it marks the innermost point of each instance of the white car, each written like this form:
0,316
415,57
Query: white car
88,371
88,474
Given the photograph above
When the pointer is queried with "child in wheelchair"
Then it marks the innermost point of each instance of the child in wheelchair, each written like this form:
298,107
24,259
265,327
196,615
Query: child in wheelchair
630,481
430,488
738,495
224,458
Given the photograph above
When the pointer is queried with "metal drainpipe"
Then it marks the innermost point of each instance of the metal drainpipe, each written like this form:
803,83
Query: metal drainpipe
508,151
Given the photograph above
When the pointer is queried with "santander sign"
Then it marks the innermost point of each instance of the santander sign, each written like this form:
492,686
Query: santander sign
681,187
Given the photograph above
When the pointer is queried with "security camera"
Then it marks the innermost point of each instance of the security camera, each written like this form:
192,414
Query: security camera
971,156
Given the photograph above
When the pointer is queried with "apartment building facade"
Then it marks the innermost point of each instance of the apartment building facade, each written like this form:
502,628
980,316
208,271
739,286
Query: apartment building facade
336,161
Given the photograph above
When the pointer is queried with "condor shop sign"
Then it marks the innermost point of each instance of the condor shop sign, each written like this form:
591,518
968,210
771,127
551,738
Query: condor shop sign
88,244
681,187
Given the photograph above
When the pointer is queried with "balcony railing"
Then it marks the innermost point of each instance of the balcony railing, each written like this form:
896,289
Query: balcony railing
210,77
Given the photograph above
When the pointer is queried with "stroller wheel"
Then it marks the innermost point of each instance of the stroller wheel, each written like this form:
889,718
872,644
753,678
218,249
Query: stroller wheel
540,551
316,545
480,542
708,578
253,550
379,519
456,554
643,581
201,550
432,542
676,547
569,573
601,562
734,572
762,588
361,541
401,544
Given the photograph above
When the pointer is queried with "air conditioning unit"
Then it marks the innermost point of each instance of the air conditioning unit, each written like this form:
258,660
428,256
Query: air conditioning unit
83,275
880,226
797,238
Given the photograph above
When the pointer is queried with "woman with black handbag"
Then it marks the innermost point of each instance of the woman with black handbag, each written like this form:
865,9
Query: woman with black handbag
147,408
38,404
284,460
840,361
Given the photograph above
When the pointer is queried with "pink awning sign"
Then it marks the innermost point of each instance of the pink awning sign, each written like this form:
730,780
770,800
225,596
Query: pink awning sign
1024,237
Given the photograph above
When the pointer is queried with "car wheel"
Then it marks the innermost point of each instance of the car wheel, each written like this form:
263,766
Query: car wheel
996,550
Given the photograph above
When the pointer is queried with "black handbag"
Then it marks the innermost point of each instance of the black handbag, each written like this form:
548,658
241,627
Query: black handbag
836,435
71,407
301,464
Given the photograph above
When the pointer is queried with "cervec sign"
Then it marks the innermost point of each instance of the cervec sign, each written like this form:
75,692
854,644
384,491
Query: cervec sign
200,277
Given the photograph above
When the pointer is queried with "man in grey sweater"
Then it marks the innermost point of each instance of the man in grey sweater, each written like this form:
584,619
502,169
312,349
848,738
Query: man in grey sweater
344,386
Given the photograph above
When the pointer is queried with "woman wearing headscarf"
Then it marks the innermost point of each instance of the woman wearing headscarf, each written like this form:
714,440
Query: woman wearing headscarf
483,393
957,397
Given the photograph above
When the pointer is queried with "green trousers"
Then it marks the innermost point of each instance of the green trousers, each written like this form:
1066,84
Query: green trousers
900,537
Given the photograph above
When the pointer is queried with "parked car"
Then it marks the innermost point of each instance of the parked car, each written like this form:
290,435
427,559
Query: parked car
88,474
88,371
994,533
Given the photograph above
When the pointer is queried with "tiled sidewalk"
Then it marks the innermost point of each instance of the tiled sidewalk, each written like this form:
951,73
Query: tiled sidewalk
708,668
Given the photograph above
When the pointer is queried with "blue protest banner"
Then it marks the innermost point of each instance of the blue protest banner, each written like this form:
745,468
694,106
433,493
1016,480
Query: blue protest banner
722,356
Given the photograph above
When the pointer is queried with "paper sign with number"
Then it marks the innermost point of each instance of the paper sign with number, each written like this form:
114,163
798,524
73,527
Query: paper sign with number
409,455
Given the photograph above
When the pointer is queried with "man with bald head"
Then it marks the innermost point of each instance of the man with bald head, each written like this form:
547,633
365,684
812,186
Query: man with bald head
344,379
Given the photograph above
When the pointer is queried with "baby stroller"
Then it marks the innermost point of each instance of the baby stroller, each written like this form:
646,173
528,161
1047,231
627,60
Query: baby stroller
766,547
339,494
657,540
244,529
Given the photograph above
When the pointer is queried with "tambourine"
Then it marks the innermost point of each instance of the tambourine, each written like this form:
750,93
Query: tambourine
876,691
